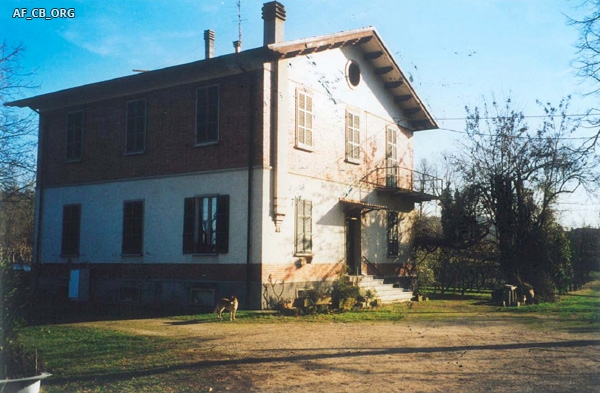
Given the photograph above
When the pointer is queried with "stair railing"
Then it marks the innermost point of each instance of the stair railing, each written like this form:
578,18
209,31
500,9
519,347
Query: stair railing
371,264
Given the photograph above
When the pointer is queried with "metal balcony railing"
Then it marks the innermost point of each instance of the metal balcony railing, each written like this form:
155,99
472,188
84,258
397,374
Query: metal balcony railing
400,180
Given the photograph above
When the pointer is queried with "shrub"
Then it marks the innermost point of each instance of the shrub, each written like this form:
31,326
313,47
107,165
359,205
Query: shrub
15,362
343,289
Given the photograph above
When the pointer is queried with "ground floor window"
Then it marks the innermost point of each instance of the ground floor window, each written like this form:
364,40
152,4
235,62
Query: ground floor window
133,228
393,232
71,226
206,225
303,227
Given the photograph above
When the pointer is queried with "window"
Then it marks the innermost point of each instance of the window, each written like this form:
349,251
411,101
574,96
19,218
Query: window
352,137
206,225
136,127
391,156
303,227
133,228
202,297
353,74
207,115
304,120
128,295
70,230
393,231
74,145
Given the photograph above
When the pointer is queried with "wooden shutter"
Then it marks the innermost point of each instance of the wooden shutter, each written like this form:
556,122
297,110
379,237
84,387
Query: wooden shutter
222,246
71,230
189,214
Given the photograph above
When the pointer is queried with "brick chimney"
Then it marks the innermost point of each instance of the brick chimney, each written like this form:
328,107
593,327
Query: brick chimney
273,13
209,44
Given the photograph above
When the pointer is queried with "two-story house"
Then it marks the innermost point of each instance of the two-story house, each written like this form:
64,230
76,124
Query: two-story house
270,168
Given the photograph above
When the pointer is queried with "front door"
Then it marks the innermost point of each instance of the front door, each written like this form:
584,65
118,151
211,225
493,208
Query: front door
353,250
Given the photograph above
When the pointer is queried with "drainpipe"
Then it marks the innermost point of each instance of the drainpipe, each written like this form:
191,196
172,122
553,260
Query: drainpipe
274,16
39,204
251,155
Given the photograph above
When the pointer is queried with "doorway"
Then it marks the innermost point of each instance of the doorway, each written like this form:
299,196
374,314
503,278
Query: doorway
353,246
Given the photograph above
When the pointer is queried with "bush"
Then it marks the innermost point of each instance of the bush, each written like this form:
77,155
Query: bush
15,362
342,290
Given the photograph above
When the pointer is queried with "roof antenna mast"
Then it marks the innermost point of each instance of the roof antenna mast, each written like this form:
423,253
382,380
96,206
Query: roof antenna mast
238,44
239,13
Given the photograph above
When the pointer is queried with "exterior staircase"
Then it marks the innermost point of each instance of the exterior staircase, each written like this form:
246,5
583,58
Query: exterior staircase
387,289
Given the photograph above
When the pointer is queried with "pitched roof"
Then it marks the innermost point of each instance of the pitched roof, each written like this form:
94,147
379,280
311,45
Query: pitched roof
367,39
234,63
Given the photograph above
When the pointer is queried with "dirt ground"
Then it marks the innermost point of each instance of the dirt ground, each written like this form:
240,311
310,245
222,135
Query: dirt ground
456,355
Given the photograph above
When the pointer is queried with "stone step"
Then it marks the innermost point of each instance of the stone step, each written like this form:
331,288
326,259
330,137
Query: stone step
387,292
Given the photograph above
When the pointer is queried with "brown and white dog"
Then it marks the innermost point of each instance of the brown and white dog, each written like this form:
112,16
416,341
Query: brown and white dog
230,305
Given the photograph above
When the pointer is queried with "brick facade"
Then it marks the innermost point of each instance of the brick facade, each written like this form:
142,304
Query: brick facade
170,135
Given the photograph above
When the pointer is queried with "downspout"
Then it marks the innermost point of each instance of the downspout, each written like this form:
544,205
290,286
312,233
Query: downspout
39,205
251,156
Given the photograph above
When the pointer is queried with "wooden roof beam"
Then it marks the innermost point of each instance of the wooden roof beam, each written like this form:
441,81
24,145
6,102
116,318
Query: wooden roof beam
393,84
373,55
383,70
402,98
412,111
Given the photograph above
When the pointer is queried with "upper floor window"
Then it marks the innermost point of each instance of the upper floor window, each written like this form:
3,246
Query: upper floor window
391,156
206,225
303,227
133,228
136,127
74,140
207,115
71,226
304,120
352,137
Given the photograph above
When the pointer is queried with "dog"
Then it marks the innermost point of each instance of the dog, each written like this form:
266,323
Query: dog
230,305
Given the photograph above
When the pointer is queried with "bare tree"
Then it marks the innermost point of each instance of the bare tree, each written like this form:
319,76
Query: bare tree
17,130
587,61
588,44
517,175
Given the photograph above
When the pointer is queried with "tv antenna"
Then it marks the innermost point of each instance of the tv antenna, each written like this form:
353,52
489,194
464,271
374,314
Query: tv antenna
238,44
239,17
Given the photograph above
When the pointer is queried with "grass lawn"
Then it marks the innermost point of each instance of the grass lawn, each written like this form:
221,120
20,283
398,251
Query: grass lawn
86,359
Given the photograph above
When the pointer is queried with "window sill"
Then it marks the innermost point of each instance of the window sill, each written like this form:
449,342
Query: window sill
134,153
353,161
306,148
132,255
204,144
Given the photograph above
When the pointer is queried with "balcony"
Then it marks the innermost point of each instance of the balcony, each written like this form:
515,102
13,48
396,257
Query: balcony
405,182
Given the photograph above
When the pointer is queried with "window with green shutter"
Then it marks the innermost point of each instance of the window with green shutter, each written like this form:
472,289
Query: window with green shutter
352,137
303,227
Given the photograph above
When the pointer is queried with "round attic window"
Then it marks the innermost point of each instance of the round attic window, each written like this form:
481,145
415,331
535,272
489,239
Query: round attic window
353,73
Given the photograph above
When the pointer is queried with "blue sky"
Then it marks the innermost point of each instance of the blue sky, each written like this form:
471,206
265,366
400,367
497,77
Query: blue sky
457,51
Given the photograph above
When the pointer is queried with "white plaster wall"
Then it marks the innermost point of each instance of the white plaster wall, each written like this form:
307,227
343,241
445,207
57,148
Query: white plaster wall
325,72
329,231
322,175
102,217
328,223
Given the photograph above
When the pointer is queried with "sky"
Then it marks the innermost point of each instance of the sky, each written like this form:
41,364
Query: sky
457,52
